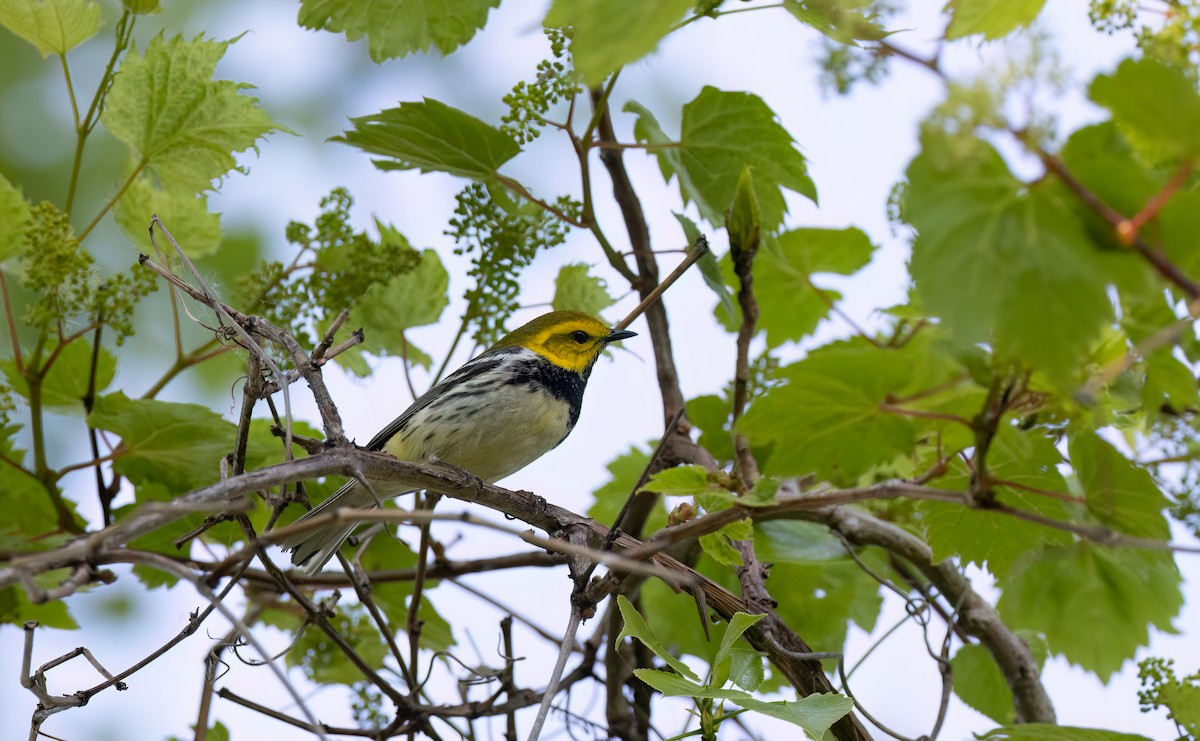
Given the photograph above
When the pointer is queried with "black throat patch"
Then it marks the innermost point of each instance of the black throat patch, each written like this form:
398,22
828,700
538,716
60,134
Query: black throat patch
560,383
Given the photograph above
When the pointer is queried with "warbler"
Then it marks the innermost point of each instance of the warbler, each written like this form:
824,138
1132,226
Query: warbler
492,417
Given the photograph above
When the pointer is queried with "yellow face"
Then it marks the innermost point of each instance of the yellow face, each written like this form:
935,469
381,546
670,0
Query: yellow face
569,339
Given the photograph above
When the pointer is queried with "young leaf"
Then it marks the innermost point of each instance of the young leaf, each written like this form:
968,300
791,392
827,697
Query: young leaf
746,668
833,395
635,626
1154,105
575,289
993,258
183,124
721,133
681,481
610,35
412,299
992,18
432,137
53,26
1119,494
743,221
717,546
844,21
397,28
185,213
177,445
14,220
738,624
709,268
1117,592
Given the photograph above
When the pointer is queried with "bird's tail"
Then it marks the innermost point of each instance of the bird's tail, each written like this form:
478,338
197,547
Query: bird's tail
313,549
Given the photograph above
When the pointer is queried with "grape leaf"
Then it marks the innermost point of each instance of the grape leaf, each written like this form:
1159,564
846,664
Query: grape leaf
610,35
1117,593
1154,105
821,599
412,299
709,268
992,18
576,289
397,28
993,258
711,414
721,133
844,21
66,383
1119,494
979,682
833,395
681,481
1027,459
53,26
432,136
14,220
635,626
183,124
177,445
184,213
28,512
790,303
15,608
624,470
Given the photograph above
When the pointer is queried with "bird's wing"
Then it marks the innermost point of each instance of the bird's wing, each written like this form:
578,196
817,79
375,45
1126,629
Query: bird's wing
472,369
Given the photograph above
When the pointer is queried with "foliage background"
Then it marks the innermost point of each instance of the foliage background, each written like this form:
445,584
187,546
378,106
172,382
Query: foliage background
857,146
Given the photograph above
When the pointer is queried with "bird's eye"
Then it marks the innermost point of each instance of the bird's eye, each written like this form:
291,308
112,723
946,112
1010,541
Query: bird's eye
580,336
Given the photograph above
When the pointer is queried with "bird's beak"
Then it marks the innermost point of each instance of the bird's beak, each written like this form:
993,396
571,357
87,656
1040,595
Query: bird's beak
618,335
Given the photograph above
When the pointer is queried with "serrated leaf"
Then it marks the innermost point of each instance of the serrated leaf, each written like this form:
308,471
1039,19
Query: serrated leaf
183,124
28,513
717,546
1050,732
15,608
711,414
992,18
624,470
738,624
746,668
993,258
635,626
833,395
708,266
576,289
323,662
681,481
1118,593
979,683
412,299
721,133
53,26
1118,493
1025,458
790,303
432,137
844,21
14,220
66,383
1154,105
821,599
610,35
177,445
397,28
185,213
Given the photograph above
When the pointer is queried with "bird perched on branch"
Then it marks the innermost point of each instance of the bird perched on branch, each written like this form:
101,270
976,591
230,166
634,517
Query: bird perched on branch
492,417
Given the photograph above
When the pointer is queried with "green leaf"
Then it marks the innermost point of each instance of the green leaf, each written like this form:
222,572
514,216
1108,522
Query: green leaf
185,213
708,266
681,481
66,383
1029,460
412,299
979,683
1049,732
397,28
28,513
177,445
576,290
14,220
738,624
992,18
635,626
15,608
746,668
321,659
717,546
821,599
1119,494
1154,105
833,395
53,26
432,137
1117,593
183,124
610,35
993,258
743,220
844,21
721,133
711,414
790,303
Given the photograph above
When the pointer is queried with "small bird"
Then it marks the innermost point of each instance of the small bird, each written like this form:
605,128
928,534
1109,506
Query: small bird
492,417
